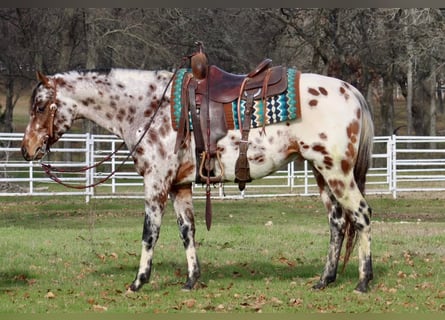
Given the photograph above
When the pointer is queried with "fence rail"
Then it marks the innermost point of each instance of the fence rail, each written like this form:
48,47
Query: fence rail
399,164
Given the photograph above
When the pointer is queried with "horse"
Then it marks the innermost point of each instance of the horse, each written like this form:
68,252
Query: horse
334,133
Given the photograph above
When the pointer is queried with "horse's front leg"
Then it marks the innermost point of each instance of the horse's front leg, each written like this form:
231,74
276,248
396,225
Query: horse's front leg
183,205
154,209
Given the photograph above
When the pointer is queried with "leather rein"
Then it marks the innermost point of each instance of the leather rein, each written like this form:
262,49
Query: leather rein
49,169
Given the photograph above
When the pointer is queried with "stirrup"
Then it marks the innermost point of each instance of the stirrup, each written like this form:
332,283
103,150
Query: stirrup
201,167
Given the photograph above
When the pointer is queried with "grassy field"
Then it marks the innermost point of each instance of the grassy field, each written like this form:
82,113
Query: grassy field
261,255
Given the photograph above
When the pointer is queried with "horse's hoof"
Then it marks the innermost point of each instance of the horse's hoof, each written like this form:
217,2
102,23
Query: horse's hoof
362,287
129,291
188,286
319,286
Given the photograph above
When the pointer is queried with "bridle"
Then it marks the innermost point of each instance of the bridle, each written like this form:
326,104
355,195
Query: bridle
49,169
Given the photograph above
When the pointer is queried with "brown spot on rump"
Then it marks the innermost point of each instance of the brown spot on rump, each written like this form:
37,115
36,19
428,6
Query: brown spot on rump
109,115
313,102
353,129
359,113
351,150
319,148
346,166
346,85
313,91
132,109
323,136
328,161
343,91
323,91
152,87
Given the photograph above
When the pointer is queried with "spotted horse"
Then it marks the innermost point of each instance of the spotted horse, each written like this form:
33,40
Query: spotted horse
334,133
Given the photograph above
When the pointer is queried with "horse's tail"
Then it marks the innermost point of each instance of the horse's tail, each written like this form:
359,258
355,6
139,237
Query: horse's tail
361,167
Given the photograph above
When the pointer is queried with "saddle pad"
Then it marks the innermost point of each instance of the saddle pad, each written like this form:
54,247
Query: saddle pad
283,107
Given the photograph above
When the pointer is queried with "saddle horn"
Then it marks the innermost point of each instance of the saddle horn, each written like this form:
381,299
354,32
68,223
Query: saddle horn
199,62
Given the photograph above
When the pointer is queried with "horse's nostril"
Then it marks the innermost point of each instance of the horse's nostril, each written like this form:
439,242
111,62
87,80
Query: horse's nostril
25,154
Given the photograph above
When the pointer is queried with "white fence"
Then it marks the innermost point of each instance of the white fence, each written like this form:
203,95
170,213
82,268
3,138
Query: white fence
400,164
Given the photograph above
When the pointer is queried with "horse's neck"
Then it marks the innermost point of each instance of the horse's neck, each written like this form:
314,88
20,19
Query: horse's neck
116,101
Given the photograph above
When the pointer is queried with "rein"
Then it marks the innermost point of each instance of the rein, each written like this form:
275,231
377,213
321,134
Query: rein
49,169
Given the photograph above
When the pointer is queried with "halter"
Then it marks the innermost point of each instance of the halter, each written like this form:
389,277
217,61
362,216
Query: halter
52,113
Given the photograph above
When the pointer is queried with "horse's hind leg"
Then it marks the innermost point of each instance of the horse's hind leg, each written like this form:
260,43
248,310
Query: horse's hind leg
182,203
345,190
337,225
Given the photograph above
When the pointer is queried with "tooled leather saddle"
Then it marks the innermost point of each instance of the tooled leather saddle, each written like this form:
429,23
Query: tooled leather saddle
205,92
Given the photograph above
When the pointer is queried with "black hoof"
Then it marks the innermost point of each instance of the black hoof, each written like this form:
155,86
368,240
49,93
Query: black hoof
362,287
319,286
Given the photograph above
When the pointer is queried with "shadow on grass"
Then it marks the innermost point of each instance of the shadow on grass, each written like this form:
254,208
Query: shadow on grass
11,279
168,274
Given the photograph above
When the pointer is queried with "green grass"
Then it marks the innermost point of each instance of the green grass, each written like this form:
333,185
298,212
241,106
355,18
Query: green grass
62,255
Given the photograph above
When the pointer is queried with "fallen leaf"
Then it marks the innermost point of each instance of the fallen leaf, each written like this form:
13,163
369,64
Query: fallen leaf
189,303
99,308
50,295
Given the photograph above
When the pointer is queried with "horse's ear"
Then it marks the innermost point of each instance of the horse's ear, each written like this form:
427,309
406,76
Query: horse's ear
42,78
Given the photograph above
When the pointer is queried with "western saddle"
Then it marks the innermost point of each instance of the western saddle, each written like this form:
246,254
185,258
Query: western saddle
205,90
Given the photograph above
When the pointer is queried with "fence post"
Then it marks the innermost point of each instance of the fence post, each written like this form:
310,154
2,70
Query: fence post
393,164
306,178
89,158
113,166
291,175
31,177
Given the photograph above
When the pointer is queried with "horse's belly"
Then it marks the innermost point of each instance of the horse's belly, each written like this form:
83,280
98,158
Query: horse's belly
267,152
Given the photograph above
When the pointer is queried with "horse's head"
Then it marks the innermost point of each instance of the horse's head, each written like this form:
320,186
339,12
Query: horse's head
47,123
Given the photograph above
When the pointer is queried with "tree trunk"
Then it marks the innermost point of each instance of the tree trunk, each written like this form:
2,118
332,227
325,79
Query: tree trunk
433,114
409,97
6,117
387,106
66,39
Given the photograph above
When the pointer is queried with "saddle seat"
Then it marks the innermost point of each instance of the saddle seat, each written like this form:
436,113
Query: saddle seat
225,87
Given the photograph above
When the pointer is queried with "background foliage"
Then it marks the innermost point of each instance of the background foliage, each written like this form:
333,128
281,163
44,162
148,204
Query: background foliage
388,53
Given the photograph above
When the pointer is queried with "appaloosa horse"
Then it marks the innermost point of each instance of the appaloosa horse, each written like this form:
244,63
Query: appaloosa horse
334,133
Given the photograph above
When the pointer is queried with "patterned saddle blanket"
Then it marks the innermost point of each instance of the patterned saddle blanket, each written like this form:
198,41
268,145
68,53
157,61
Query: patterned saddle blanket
279,108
